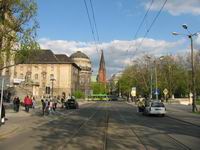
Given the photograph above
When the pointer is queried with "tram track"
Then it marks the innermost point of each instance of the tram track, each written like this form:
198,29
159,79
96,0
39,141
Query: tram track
174,140
132,130
84,124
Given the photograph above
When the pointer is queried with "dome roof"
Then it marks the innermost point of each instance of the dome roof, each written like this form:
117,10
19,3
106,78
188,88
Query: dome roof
79,54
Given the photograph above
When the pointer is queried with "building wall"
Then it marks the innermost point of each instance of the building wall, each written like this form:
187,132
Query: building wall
85,74
41,75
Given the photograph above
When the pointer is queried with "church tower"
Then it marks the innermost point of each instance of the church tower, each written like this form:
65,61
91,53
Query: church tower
102,69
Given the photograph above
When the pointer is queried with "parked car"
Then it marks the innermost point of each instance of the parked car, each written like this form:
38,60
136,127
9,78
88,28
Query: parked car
112,97
71,104
155,108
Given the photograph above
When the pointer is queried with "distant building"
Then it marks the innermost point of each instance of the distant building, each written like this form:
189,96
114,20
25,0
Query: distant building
113,82
47,71
102,70
83,61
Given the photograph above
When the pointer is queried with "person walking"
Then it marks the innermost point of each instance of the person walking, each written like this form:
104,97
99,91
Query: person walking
34,102
3,114
43,106
17,103
47,106
50,106
14,103
27,103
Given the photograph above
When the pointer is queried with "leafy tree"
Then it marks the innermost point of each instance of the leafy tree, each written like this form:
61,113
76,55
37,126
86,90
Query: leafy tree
99,88
17,30
79,94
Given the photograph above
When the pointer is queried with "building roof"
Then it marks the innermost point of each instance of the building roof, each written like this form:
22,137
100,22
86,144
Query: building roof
48,57
79,54
63,58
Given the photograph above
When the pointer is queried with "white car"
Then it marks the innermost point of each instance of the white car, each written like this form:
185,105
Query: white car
155,108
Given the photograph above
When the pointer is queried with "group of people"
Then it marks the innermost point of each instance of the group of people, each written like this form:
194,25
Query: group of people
48,105
29,102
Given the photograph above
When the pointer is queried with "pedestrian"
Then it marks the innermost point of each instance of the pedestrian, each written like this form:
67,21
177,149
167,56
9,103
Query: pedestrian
47,106
50,106
27,103
62,102
14,103
3,114
17,103
34,102
43,106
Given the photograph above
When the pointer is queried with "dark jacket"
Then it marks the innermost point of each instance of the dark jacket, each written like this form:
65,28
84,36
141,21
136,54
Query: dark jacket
3,112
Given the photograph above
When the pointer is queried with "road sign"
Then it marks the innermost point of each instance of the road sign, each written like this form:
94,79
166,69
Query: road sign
156,91
165,91
133,91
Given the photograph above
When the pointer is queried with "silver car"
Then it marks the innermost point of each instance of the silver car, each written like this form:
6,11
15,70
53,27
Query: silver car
155,108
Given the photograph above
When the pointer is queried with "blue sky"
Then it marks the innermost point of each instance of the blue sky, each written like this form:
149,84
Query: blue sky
64,28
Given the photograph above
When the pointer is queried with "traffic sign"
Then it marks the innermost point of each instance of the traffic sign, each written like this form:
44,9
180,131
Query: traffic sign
165,91
156,91
133,91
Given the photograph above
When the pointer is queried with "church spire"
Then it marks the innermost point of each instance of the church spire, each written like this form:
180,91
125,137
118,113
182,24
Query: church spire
102,69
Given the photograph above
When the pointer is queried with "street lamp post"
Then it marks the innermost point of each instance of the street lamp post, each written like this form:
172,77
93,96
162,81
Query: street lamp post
156,78
190,36
52,82
151,76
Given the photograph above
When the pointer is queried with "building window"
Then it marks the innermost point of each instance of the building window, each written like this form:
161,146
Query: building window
44,76
36,76
36,68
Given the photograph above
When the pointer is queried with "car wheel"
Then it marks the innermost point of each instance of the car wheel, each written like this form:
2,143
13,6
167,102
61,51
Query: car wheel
163,115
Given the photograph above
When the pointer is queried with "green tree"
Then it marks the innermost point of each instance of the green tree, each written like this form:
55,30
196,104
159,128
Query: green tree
17,30
79,94
99,88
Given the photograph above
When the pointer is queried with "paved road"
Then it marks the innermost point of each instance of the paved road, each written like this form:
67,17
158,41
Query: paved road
106,125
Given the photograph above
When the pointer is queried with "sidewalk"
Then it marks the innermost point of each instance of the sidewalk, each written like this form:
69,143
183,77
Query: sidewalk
181,112
18,121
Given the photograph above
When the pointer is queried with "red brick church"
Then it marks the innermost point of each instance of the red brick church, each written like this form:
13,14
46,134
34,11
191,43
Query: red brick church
102,69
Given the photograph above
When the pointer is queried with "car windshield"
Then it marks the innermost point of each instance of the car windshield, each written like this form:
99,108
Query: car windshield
157,105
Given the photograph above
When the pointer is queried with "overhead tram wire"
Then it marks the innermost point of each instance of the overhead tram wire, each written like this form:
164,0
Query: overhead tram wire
154,20
140,25
93,15
91,27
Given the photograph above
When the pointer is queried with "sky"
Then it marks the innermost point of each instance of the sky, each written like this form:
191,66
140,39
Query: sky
65,28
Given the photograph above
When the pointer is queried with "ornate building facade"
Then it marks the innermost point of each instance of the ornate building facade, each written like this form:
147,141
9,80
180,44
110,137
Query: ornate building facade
47,70
83,61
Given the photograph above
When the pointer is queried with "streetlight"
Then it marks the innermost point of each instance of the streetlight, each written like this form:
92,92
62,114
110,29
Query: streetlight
190,36
52,79
156,92
156,78
151,78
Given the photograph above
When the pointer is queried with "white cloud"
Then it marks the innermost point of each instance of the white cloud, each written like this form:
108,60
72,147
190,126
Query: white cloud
118,53
177,7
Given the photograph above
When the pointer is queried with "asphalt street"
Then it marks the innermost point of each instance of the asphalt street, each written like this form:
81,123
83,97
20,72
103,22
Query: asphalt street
104,126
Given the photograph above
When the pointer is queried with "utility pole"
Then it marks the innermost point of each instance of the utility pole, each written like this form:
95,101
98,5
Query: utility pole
190,36
194,108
